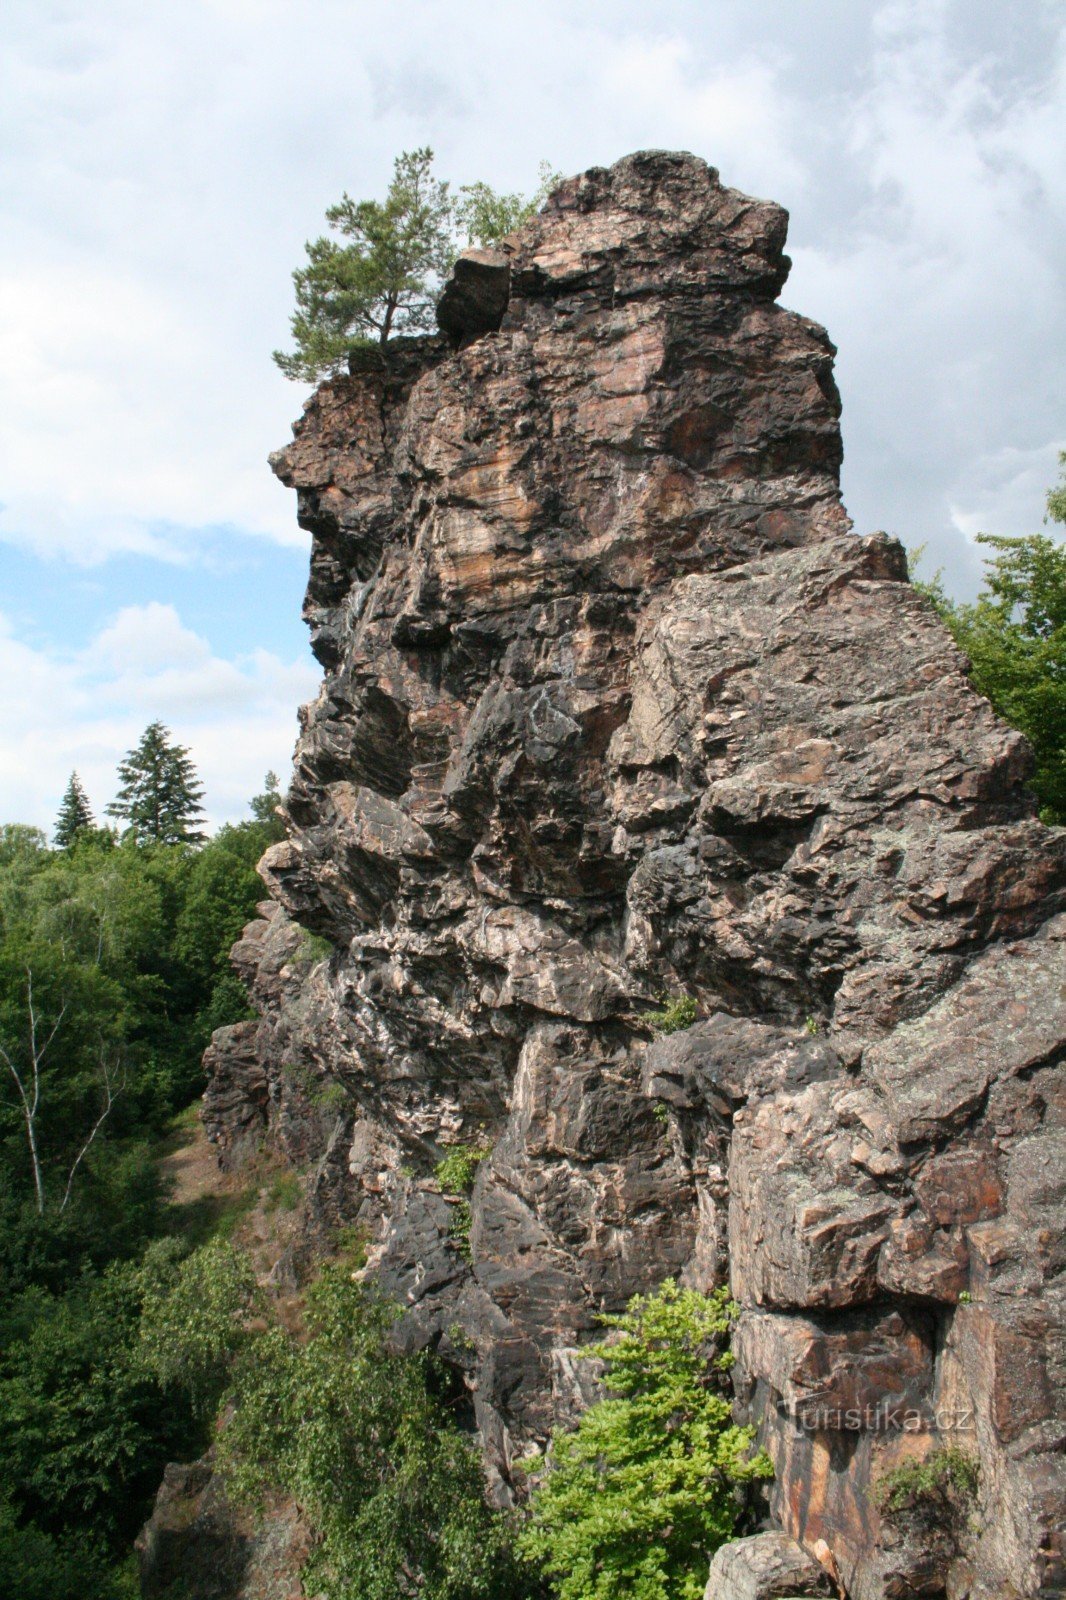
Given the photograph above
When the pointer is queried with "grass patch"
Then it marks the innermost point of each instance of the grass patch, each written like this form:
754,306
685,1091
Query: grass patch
939,1488
285,1192
676,1014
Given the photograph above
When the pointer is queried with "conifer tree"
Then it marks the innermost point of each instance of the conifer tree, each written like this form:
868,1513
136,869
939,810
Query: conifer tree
159,795
75,813
264,807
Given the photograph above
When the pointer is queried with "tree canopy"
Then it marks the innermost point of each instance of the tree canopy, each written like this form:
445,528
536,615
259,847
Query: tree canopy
1014,634
383,275
159,793
113,971
75,814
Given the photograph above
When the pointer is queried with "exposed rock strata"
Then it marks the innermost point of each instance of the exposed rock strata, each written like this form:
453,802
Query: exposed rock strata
616,706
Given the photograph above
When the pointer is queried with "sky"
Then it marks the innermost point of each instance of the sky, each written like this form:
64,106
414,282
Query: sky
161,166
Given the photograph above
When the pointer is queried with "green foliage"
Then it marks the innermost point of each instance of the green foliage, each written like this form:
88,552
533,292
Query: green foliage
644,1490
485,216
159,794
1056,497
285,1192
313,948
75,814
84,1432
940,1487
676,1014
113,958
381,281
194,1321
456,1173
264,809
356,1435
1015,636
383,276
38,1567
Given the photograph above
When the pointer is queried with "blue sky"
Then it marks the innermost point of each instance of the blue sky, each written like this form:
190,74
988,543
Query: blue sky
160,167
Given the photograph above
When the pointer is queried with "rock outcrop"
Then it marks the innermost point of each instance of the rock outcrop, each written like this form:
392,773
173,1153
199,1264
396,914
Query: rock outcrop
616,707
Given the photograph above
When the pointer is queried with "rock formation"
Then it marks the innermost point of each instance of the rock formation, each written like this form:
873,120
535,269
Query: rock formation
616,707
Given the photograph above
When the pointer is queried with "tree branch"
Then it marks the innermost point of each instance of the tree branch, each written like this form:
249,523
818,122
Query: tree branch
110,1096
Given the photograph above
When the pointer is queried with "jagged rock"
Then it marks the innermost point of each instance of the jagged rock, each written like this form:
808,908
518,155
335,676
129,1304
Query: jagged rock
476,295
198,1545
616,707
768,1566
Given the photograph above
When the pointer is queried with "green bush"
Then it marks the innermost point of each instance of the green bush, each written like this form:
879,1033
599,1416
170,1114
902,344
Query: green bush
638,1497
194,1321
355,1434
940,1486
676,1014
456,1173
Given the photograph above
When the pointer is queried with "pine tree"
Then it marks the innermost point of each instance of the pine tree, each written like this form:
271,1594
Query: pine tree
264,808
160,793
75,813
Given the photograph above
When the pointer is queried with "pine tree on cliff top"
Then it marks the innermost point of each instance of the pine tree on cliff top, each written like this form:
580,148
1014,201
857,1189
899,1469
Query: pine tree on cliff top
75,813
159,795
384,278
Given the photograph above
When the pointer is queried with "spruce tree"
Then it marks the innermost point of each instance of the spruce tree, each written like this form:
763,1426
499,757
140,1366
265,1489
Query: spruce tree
264,808
75,813
159,794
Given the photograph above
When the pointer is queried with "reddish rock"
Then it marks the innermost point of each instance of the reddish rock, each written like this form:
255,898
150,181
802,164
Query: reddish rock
616,707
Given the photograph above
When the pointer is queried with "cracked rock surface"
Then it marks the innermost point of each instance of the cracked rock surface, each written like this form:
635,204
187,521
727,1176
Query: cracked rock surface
616,706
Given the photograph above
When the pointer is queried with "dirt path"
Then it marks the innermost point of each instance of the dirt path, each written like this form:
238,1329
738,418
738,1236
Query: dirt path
190,1168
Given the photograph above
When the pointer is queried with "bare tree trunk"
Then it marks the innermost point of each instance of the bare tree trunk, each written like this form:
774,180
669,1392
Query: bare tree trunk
31,1096
110,1096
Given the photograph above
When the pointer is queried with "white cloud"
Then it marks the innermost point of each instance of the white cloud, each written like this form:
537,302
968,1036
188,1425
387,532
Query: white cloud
946,297
84,710
160,167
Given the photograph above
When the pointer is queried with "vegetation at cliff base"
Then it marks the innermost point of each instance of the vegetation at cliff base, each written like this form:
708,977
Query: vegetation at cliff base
639,1496
381,275
113,972
1014,634
365,1440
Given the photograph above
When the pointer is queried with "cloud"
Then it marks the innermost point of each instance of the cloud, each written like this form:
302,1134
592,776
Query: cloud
84,710
161,166
944,293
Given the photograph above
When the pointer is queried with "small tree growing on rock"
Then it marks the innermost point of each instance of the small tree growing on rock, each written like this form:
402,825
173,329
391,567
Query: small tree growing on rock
639,1496
383,276
381,280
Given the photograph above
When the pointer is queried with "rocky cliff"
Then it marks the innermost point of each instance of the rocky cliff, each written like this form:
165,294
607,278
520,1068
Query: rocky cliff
617,707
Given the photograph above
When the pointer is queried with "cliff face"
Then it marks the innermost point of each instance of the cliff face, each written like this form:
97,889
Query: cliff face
616,707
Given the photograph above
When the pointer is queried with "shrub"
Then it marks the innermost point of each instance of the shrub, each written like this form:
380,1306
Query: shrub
676,1014
354,1433
194,1322
639,1496
939,1487
456,1173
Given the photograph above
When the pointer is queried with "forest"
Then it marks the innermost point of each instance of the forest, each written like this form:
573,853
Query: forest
113,973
